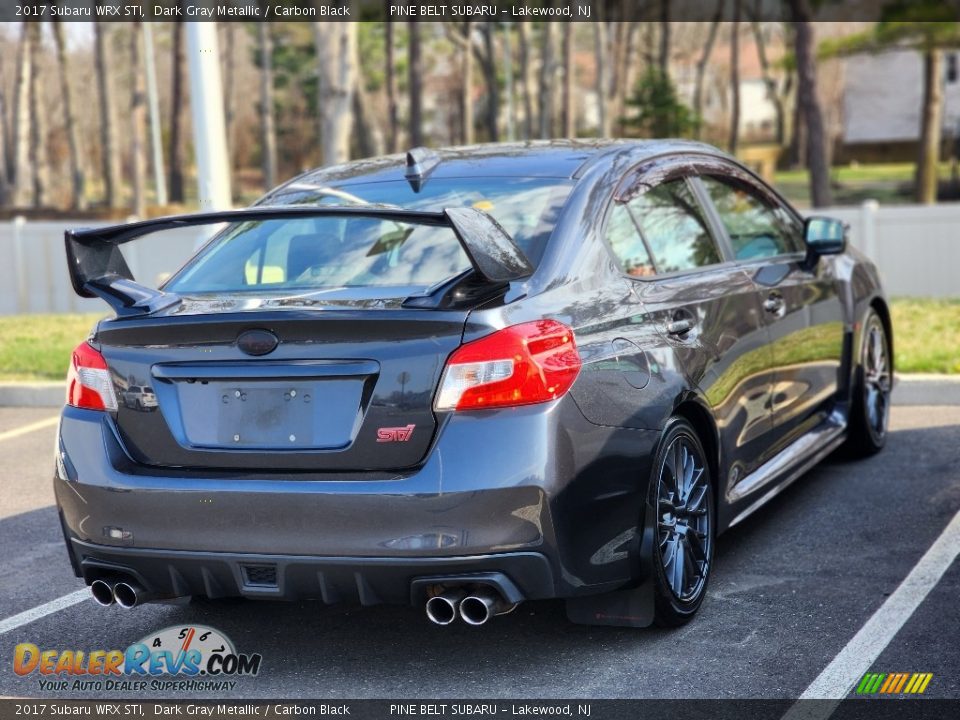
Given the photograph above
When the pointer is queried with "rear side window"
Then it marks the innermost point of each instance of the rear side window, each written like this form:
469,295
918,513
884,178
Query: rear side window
758,228
625,242
674,227
323,252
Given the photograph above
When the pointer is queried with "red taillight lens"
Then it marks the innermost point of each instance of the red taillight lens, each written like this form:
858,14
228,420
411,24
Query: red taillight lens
88,380
519,365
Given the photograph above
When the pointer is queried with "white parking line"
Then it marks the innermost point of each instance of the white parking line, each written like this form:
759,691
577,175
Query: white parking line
850,664
39,425
28,616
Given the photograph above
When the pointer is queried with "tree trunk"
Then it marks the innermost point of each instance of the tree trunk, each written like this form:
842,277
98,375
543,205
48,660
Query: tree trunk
623,72
489,65
415,83
466,90
569,115
663,57
4,153
110,158
734,79
20,178
138,117
600,50
526,80
39,158
702,67
810,105
336,48
392,119
773,94
928,158
268,133
177,150
78,200
546,81
370,140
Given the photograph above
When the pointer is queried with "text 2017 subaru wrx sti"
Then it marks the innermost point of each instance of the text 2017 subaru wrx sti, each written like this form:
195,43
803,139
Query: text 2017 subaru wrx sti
464,379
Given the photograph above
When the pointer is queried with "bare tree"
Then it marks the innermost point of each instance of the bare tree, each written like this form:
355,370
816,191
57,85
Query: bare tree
735,78
177,149
462,36
268,132
930,127
702,65
622,68
663,56
370,140
391,82
809,104
569,115
415,83
138,119
601,50
526,80
774,93
110,157
336,49
78,200
22,189
547,70
488,63
39,159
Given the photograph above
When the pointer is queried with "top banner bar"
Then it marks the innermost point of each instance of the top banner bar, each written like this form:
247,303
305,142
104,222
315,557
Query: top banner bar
497,11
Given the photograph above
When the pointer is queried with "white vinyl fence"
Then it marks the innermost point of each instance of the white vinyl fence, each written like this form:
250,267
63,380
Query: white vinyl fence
917,249
33,264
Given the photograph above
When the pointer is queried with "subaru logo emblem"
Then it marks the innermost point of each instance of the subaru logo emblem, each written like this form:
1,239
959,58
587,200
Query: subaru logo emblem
257,342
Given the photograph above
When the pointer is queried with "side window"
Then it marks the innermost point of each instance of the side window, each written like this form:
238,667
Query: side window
757,228
627,245
673,224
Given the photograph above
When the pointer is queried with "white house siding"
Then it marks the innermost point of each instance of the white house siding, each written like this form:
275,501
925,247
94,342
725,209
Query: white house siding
884,94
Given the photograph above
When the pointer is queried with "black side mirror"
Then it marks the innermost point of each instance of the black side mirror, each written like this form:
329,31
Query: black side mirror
825,236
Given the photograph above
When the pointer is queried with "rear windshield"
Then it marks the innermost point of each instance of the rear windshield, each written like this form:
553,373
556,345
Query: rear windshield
323,252
527,208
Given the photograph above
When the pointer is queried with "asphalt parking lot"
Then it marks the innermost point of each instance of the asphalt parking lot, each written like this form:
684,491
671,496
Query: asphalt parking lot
791,586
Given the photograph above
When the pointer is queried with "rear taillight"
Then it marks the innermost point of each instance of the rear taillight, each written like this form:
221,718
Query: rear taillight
519,365
88,380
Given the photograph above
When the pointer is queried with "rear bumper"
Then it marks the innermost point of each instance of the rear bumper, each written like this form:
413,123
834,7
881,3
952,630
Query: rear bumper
538,494
367,581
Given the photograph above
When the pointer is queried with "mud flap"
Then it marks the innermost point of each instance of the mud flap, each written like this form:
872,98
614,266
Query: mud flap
621,608
630,607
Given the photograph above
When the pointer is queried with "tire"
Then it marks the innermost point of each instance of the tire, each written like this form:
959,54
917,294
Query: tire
684,536
870,414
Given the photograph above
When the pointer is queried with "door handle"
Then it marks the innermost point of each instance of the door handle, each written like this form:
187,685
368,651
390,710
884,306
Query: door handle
679,327
773,304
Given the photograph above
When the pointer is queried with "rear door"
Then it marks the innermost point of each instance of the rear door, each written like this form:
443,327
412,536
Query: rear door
705,307
801,305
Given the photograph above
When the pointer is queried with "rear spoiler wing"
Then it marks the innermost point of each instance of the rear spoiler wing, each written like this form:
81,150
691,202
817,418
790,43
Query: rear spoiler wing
98,269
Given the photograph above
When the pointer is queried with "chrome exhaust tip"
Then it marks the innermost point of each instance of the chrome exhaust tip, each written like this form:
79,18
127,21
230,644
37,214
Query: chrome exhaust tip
442,609
128,594
478,607
102,592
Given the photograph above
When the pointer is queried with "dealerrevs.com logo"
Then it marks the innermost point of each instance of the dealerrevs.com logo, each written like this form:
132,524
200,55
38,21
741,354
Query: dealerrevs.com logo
193,657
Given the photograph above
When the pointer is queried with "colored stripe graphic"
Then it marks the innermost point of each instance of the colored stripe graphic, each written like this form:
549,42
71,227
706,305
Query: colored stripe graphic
894,683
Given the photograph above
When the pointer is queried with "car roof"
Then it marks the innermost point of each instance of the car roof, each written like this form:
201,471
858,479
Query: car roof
562,159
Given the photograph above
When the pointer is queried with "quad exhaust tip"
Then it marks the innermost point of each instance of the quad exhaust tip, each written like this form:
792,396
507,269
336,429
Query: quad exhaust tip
442,609
478,607
102,592
127,594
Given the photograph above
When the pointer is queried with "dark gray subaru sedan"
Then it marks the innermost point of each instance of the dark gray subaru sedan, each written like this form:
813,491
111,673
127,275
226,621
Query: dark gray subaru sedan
463,379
